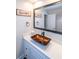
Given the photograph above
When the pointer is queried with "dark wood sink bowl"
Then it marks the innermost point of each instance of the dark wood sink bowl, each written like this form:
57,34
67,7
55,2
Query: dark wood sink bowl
41,39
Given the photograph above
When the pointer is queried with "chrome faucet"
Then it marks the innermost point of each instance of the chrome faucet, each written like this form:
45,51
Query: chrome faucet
43,33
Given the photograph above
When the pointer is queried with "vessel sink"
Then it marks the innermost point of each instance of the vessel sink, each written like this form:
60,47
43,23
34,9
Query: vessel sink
41,39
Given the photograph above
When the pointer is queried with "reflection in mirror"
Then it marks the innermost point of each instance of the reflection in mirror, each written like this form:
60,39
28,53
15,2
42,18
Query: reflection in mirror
53,18
49,17
39,18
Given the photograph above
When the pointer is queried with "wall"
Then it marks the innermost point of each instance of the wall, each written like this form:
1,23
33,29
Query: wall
21,26
24,5
20,29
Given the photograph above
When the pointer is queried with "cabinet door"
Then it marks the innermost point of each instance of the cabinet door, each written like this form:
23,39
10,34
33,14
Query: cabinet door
27,50
36,54
45,57
32,52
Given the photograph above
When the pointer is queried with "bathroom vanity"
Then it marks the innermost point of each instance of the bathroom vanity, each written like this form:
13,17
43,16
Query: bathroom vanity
34,50
46,18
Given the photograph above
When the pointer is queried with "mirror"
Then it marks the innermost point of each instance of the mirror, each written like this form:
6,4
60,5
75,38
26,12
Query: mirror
49,17
39,18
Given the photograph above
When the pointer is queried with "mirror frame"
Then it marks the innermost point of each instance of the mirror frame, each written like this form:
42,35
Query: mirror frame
44,19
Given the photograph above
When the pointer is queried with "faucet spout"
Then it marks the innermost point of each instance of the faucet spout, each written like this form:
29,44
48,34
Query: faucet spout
43,33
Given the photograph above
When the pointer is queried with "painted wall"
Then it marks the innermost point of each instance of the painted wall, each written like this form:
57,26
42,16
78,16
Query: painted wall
20,29
21,26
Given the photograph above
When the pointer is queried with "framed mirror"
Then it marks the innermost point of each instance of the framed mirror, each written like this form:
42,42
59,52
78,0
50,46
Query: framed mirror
49,17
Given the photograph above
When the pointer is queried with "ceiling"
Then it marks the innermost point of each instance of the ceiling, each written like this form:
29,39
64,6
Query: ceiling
34,1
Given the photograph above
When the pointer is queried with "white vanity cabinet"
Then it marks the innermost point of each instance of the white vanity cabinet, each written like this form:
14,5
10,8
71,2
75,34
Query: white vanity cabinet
32,52
27,50
37,54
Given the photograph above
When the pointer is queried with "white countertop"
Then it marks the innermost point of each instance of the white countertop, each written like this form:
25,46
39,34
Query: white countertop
53,50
